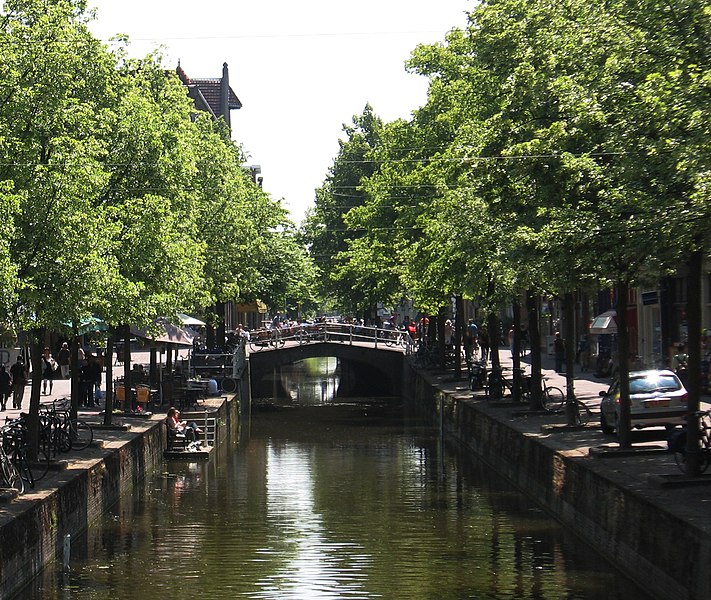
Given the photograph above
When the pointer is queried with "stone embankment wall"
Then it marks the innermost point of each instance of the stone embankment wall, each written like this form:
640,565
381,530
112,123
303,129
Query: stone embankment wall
33,527
666,555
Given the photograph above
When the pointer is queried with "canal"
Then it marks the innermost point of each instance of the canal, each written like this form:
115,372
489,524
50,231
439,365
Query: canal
334,499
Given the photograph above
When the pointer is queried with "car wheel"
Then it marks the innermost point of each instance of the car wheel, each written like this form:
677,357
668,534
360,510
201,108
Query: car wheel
606,428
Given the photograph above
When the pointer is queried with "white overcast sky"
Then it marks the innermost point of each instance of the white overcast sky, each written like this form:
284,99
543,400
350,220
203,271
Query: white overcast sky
301,69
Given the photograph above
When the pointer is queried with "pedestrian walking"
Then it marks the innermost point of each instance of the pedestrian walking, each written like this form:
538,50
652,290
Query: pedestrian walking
448,332
559,352
584,353
471,340
89,380
5,386
63,358
19,374
680,363
484,343
49,366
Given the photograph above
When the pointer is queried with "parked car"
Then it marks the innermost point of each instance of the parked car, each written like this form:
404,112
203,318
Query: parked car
657,397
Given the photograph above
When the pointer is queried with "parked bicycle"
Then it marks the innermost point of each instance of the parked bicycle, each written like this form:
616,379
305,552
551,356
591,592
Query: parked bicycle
425,357
15,444
11,477
477,374
265,338
498,384
59,432
677,443
554,400
394,337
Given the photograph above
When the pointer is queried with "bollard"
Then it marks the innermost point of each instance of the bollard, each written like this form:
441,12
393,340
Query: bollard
67,551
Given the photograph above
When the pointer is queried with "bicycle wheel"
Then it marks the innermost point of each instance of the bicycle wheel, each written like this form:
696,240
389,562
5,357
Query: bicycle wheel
680,459
61,440
553,399
10,475
19,459
80,433
582,414
495,385
40,466
256,346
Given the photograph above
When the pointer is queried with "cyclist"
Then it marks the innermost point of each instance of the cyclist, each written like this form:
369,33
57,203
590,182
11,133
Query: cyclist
472,339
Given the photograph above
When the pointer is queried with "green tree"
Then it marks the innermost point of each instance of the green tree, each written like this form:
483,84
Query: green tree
325,230
52,110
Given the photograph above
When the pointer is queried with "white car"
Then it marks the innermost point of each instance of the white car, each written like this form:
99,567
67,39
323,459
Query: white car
657,397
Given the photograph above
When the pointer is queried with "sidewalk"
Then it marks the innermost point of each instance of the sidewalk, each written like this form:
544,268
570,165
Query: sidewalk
648,468
587,386
61,388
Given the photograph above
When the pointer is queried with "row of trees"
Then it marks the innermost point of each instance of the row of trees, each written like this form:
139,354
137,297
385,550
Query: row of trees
563,146
117,199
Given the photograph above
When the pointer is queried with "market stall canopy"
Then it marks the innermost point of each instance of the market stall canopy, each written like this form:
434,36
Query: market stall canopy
604,323
188,320
164,332
89,325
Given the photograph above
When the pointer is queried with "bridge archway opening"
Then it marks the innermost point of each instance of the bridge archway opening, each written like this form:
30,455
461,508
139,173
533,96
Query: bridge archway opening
322,379
362,370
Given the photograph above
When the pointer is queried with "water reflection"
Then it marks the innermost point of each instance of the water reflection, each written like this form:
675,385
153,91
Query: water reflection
311,565
312,381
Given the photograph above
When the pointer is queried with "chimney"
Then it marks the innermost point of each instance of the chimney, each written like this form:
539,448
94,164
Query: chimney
225,95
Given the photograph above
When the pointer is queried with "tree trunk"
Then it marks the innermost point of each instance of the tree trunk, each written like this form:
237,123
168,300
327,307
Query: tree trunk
36,388
516,350
693,383
441,347
127,402
494,337
74,373
534,334
458,329
109,400
623,371
571,406
220,333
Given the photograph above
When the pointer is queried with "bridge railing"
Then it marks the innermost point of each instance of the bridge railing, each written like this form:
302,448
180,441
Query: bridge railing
332,332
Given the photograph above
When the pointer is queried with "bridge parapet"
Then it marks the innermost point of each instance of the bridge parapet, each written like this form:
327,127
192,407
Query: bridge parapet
376,337
383,362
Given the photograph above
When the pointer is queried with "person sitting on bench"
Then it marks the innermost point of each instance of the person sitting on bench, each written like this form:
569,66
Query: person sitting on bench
178,427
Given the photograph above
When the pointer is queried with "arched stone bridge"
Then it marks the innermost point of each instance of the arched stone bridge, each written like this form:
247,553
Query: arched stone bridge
366,366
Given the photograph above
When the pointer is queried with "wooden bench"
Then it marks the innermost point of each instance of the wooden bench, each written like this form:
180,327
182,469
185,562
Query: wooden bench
176,441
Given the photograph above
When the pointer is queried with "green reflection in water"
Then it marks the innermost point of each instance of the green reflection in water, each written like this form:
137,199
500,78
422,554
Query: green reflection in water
345,501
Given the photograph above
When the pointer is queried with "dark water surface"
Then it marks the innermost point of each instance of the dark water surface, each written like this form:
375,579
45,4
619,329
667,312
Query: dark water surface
330,501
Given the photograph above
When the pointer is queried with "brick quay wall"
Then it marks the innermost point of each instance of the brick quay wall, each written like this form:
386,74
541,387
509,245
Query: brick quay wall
33,526
665,552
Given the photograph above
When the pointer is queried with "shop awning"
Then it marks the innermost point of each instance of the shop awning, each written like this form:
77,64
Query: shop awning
252,307
604,323
188,320
163,332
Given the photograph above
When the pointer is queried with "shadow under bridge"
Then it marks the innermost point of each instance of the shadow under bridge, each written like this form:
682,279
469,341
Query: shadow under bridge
364,370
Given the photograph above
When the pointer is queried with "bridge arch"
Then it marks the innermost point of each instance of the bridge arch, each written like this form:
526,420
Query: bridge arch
361,365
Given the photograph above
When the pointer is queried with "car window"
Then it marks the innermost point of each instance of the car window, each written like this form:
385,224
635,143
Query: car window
653,383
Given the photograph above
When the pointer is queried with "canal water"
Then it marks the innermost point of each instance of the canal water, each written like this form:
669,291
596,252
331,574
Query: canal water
326,498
